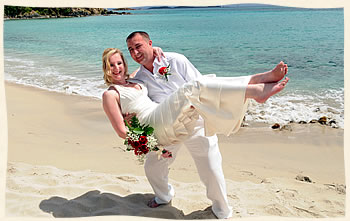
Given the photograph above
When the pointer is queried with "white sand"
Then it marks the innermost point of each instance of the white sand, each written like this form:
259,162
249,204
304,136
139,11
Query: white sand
65,161
44,191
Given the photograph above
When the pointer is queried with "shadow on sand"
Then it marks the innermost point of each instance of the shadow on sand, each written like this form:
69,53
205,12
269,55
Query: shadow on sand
95,203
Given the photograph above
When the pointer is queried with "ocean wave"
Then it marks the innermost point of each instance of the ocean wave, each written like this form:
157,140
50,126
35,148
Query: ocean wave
288,106
278,109
91,87
30,72
296,107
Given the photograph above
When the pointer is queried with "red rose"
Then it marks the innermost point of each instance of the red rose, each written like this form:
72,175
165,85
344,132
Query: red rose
163,70
144,149
143,140
130,141
137,151
135,144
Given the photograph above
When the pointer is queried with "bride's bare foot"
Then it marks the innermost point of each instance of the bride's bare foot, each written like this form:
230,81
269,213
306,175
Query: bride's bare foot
273,76
262,92
277,73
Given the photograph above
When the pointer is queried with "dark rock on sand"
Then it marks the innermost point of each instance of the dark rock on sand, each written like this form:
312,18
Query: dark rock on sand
323,120
331,122
275,126
303,178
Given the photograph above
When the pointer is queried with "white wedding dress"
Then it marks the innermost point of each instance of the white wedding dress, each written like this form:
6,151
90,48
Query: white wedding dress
220,101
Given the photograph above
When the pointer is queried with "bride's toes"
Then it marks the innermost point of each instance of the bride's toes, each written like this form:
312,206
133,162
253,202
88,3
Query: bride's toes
285,69
284,82
278,72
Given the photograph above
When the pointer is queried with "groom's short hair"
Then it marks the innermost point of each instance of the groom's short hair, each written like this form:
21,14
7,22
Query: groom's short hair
142,33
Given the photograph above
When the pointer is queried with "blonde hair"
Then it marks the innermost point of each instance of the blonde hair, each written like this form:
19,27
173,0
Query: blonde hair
106,66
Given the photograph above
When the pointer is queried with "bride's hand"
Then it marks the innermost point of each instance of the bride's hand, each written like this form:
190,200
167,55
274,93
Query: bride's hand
127,117
166,154
158,52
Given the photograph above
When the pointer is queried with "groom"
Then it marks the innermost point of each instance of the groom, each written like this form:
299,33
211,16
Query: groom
204,150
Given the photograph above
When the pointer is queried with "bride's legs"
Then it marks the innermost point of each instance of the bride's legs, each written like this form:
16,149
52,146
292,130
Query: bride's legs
271,76
262,92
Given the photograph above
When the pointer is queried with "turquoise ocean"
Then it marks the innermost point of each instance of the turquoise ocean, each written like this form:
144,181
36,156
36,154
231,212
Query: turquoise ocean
64,55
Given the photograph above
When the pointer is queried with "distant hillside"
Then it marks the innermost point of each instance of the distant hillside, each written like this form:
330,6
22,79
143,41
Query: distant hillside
122,9
180,7
17,12
217,6
251,6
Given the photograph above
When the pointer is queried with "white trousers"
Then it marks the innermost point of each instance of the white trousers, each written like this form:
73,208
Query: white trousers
207,157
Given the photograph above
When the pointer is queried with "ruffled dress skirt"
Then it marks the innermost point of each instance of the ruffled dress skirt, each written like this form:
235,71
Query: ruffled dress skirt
220,101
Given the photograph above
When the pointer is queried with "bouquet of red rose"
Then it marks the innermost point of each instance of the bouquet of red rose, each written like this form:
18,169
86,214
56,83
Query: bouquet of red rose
141,140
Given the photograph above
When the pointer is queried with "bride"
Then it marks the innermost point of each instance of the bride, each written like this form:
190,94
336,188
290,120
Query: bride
220,101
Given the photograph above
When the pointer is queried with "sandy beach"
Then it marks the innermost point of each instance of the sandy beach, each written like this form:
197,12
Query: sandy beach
65,160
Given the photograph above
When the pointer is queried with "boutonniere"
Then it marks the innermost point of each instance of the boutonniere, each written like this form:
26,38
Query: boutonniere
164,71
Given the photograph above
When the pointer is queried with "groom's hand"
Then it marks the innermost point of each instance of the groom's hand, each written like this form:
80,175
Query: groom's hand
128,116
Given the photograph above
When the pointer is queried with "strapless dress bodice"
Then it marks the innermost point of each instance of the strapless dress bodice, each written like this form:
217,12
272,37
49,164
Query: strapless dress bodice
133,100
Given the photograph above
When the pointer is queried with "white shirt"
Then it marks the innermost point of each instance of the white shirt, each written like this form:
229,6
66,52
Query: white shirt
181,70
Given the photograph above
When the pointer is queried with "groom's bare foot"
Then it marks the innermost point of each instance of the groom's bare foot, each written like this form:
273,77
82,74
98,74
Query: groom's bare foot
153,204
265,91
273,76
